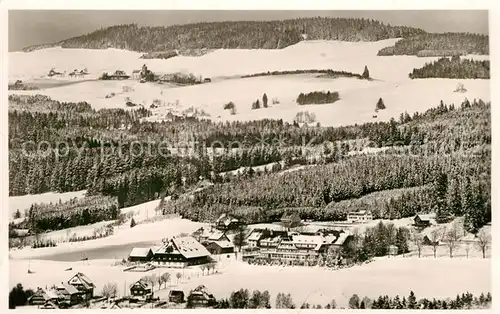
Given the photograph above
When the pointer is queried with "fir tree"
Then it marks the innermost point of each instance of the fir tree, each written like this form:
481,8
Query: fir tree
366,73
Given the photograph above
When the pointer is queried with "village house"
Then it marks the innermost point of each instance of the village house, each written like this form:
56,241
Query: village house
40,297
181,252
176,296
422,221
217,235
199,297
136,74
83,284
140,254
69,294
220,247
53,72
140,290
227,222
361,216
255,236
119,75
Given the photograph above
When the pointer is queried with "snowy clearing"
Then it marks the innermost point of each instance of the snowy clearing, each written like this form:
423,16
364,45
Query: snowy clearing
427,277
124,236
25,201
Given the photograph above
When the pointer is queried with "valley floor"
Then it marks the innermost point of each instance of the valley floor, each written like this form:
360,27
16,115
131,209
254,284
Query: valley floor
426,277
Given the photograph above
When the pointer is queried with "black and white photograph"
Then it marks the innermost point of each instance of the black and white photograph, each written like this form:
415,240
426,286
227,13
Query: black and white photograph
248,159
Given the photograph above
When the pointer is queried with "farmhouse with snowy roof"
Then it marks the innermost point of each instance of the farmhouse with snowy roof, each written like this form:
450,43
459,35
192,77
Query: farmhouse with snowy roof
181,252
227,222
83,284
141,290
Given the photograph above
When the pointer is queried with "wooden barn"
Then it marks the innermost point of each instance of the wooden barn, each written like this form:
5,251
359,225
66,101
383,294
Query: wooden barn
220,247
140,254
200,297
141,289
176,296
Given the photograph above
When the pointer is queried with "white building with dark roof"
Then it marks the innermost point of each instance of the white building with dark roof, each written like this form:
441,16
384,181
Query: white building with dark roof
361,216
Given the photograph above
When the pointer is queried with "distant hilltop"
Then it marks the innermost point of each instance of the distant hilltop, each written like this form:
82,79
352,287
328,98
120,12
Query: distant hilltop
264,35
234,34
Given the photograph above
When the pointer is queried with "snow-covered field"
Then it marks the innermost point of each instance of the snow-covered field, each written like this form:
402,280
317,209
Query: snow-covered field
25,201
427,277
358,97
119,242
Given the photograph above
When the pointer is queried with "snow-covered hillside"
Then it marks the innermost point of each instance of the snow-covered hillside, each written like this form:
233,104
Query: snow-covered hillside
357,97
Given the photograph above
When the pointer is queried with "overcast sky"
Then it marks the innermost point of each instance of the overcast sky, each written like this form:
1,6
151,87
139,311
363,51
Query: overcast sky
46,26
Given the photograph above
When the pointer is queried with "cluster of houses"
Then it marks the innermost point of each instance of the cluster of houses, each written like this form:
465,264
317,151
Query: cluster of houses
77,289
74,73
176,252
301,246
191,250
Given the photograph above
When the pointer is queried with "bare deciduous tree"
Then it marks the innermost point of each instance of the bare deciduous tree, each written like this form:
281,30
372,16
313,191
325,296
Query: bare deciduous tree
165,278
467,248
483,241
418,241
451,237
435,236
109,290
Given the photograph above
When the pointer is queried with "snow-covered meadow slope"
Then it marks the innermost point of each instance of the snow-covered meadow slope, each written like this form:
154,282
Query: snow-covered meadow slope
224,67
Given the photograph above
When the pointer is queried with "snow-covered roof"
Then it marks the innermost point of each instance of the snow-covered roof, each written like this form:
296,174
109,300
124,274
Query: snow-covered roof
140,252
224,244
80,278
255,235
215,236
51,294
189,247
186,246
341,239
140,284
69,288
424,217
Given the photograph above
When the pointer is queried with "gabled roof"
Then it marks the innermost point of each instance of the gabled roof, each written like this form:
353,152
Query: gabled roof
216,235
342,238
255,235
425,217
186,246
140,252
68,288
80,278
224,244
189,247
140,284
51,294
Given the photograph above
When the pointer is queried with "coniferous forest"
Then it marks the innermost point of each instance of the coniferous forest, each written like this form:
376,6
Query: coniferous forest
235,34
455,68
439,45
419,152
